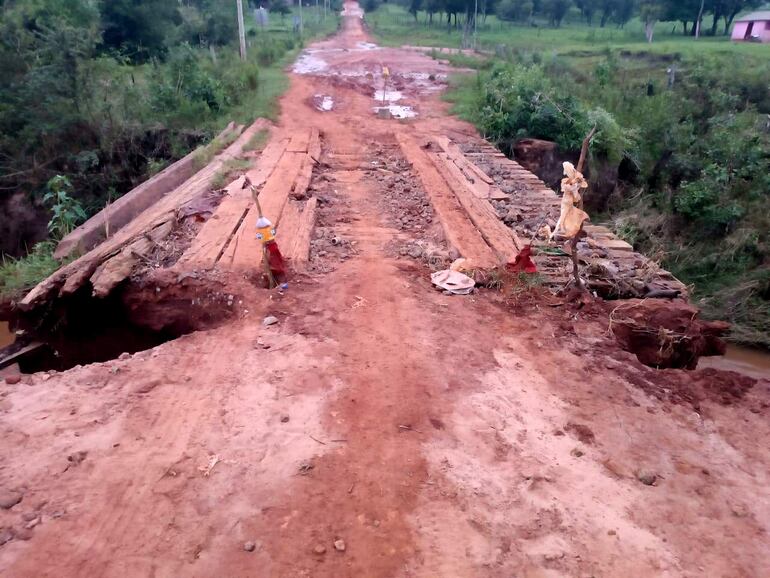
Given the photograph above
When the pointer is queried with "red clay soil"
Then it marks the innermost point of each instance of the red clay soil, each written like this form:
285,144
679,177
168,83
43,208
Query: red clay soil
381,428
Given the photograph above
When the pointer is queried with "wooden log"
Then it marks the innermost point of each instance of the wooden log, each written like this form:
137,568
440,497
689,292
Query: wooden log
244,252
299,254
303,179
117,214
114,270
74,274
314,146
458,229
500,238
217,233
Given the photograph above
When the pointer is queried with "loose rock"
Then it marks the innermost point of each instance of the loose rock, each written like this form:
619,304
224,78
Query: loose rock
647,478
339,545
9,499
320,549
123,356
250,546
269,320
12,379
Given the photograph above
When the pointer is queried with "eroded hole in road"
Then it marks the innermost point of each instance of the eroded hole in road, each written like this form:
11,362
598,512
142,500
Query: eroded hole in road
142,314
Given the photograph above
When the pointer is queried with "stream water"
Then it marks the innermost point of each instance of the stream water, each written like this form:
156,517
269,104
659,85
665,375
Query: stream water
751,362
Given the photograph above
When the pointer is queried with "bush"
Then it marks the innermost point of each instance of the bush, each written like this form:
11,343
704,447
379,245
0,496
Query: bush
520,101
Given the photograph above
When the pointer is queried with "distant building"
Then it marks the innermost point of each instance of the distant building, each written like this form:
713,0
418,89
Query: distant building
754,27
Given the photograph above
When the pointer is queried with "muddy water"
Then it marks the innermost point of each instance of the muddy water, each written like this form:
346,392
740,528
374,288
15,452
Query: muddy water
6,336
752,362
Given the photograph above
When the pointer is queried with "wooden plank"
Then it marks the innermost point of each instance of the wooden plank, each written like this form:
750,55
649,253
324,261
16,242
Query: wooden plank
116,215
314,146
615,245
458,229
457,155
216,234
287,232
299,256
162,211
500,238
303,179
480,192
300,141
110,273
266,163
244,252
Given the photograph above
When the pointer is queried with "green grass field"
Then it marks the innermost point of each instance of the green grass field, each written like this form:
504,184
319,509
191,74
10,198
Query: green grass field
394,26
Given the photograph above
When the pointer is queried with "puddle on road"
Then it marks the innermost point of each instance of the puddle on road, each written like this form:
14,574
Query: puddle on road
323,102
387,95
307,63
396,111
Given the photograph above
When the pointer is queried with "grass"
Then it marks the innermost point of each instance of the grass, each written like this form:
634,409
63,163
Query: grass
258,141
394,26
229,168
17,276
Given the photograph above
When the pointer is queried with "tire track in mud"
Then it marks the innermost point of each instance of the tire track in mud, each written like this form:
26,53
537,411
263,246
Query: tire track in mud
395,346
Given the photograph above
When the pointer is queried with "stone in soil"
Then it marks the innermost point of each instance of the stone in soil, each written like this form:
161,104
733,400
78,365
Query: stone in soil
647,478
8,499
319,549
250,546
269,320
13,379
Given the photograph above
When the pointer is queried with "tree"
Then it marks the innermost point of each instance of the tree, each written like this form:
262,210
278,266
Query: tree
650,11
684,11
729,9
588,9
520,10
556,10
138,27
414,8
624,11
281,7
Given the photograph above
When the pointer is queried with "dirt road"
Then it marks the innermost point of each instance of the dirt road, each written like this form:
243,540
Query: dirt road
381,428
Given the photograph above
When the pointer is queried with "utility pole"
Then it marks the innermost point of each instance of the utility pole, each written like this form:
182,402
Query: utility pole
241,30
475,23
301,27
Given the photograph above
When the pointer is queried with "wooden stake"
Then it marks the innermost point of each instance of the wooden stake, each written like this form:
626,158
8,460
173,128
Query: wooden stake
581,233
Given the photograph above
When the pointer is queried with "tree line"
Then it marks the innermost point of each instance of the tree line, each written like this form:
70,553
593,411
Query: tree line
691,13
106,92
